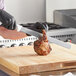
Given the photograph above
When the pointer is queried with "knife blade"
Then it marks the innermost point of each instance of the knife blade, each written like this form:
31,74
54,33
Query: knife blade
58,42
37,34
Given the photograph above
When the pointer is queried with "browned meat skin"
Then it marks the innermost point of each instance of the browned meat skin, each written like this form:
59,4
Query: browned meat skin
42,46
11,34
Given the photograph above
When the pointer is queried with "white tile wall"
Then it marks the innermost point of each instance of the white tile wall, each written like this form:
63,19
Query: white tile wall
26,10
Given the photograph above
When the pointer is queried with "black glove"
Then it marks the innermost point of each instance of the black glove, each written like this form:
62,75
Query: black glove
41,26
7,20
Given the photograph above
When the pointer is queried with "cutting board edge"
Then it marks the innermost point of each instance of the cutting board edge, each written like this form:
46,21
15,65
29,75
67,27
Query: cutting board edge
55,66
9,65
37,68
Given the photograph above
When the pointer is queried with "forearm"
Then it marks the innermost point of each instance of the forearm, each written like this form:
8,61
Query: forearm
8,21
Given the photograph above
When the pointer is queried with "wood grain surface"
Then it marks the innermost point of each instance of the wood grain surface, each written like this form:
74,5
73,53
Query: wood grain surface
24,60
47,73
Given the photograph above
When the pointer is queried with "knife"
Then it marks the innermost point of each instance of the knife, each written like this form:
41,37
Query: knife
37,34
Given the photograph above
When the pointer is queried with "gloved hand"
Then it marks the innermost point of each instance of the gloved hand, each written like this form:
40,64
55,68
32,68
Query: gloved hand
41,26
7,20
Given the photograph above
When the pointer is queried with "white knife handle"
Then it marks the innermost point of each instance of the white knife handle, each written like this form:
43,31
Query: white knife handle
18,27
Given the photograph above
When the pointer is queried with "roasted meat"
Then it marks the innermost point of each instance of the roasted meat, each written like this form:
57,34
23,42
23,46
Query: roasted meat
11,34
42,46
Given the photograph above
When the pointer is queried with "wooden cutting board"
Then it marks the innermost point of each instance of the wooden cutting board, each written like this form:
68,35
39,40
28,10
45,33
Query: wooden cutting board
24,60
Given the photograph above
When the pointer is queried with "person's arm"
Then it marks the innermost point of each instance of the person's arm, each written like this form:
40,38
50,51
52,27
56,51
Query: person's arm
7,20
